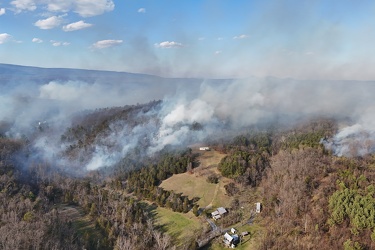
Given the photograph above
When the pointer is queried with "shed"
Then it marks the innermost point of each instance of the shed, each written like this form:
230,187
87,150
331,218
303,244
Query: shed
258,207
244,233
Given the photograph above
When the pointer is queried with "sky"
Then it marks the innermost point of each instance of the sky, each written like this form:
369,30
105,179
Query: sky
301,39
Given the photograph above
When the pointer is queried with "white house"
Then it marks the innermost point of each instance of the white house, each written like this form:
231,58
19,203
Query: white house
222,210
204,148
231,240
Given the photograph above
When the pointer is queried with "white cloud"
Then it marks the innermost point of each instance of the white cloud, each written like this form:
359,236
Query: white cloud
87,8
243,36
2,11
77,26
24,5
49,23
168,45
220,38
37,40
84,8
141,10
217,52
106,44
4,37
58,43
201,38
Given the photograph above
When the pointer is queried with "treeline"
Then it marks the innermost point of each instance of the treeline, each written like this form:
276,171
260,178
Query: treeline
248,157
145,181
118,218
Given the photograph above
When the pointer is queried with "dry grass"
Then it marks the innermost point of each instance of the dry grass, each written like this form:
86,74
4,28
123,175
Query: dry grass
195,184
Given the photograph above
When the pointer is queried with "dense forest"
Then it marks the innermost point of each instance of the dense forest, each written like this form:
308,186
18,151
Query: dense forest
311,198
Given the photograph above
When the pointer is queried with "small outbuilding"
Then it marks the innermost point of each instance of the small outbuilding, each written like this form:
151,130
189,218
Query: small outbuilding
258,207
245,233
204,148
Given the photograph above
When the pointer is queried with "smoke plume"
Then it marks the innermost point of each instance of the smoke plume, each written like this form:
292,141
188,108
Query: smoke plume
191,111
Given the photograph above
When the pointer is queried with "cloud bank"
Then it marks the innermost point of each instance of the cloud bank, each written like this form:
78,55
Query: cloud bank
168,45
4,37
37,40
82,7
106,44
49,23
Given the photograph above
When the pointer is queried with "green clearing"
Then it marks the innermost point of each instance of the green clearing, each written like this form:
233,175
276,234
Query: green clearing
179,226
192,186
83,223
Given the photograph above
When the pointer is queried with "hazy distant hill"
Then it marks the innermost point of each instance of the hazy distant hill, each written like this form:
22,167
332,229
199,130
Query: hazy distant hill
9,72
14,73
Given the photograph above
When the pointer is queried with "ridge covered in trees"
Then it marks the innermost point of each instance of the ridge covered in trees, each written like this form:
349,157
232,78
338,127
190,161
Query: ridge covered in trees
311,199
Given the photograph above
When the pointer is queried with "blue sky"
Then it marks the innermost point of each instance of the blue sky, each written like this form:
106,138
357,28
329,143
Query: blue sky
326,39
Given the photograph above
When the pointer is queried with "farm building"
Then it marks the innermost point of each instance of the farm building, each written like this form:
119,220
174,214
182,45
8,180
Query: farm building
218,213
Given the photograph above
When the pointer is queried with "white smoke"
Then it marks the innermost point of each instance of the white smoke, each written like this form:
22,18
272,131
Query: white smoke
357,139
214,106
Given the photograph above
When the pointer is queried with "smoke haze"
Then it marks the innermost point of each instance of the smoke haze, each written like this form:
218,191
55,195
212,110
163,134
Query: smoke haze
191,111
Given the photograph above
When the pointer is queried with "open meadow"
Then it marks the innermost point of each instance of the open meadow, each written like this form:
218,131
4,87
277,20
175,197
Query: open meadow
195,184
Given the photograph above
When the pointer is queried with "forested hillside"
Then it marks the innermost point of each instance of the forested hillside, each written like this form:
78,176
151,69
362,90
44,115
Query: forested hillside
311,198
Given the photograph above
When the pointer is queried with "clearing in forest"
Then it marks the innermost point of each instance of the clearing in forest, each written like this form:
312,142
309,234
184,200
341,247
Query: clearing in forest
195,184
83,223
179,226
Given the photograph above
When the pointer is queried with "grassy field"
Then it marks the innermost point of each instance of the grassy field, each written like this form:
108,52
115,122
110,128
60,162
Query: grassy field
195,184
179,226
83,223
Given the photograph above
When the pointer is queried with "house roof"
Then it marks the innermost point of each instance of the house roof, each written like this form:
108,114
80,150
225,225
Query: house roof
221,210
216,216
227,237
215,213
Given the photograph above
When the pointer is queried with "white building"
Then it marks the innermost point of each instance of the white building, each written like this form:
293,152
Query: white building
231,240
258,207
204,148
